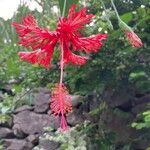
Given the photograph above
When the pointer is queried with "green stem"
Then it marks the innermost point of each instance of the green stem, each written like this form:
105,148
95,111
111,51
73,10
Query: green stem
122,24
107,18
112,2
64,8
61,65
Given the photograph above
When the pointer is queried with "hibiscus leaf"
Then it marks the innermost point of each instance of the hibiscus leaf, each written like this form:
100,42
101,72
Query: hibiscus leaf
68,4
127,17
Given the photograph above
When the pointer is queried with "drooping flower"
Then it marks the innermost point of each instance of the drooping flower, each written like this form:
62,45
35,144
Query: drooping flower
67,34
134,40
42,41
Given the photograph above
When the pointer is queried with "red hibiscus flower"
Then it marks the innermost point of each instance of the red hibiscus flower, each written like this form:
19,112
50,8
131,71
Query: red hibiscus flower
42,43
134,40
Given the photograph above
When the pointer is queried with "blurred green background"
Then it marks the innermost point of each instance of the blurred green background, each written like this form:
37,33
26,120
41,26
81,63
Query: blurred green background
117,67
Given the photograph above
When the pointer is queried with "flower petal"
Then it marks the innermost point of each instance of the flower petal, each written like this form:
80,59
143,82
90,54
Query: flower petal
80,18
71,13
40,57
31,35
89,44
73,58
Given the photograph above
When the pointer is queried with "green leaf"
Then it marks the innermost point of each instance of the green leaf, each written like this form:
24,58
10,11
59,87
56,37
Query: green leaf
127,17
140,126
134,124
148,148
134,76
68,4
146,113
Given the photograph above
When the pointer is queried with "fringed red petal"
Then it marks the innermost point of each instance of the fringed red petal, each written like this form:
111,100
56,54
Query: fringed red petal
36,57
89,44
31,35
29,21
31,57
73,58
80,18
40,40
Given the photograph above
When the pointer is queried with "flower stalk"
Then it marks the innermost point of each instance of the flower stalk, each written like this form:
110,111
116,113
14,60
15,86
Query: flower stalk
115,9
107,18
133,39
64,8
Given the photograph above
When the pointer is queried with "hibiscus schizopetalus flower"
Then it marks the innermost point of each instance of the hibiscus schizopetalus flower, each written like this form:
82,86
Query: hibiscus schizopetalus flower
42,43
134,40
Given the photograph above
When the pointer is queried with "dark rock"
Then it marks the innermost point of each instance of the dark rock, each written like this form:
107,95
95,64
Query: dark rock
75,117
139,108
141,144
6,133
31,123
41,108
76,100
23,108
18,132
117,98
48,145
42,97
33,139
41,100
94,102
15,144
119,123
42,90
143,99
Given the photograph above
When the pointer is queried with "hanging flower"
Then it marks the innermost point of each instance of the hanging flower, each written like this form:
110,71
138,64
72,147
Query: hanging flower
134,40
42,43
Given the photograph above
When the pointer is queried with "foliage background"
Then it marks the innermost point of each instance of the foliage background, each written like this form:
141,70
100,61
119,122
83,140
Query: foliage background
117,65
